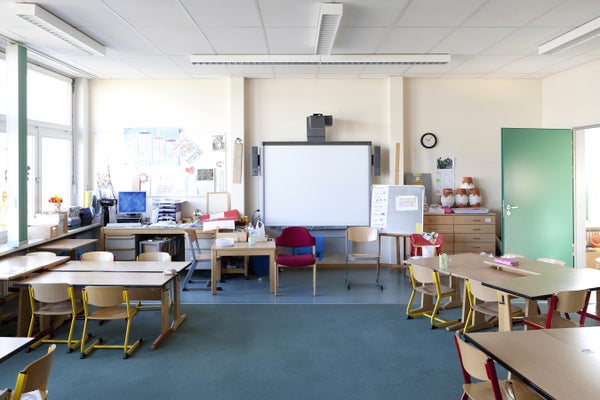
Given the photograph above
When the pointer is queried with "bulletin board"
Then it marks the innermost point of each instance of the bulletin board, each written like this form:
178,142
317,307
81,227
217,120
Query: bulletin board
397,209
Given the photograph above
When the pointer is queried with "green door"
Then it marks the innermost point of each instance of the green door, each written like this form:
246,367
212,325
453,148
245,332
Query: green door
537,193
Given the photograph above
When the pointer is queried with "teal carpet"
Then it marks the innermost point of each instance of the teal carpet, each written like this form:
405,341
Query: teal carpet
287,352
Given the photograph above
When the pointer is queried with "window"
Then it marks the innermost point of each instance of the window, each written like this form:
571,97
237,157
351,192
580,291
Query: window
49,140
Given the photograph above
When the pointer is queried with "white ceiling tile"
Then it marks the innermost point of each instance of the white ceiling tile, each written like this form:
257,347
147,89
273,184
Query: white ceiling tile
510,13
291,40
290,13
484,63
372,13
140,15
224,13
531,64
237,40
569,14
471,40
522,42
437,13
359,40
413,40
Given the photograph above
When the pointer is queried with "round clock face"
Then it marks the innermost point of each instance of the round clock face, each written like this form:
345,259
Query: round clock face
428,140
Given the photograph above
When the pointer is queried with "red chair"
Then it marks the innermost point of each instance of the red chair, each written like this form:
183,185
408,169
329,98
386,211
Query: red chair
417,242
295,237
562,302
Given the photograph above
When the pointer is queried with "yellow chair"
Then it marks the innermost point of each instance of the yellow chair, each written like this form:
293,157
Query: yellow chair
34,377
140,294
481,379
484,300
427,282
53,300
357,237
562,302
112,303
104,256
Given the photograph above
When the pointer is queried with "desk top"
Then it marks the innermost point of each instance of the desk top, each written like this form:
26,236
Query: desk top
66,244
531,280
244,247
18,266
561,363
11,345
121,266
85,278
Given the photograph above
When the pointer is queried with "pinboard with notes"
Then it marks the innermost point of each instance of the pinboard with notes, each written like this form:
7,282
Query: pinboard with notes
397,209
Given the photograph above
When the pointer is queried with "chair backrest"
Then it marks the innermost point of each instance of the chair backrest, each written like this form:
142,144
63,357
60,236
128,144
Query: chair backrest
161,256
417,242
105,296
35,375
483,293
295,236
98,256
476,364
551,261
422,274
41,254
571,302
362,234
50,292
512,255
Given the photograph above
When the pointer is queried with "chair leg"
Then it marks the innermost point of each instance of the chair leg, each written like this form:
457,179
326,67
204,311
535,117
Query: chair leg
315,280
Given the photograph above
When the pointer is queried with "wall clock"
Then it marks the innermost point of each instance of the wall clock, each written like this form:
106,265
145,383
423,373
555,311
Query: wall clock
428,140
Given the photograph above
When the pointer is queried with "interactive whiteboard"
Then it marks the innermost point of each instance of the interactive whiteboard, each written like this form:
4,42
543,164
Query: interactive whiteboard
316,184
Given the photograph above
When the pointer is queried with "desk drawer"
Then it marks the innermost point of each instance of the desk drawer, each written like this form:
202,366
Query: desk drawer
474,237
474,247
474,229
475,220
119,242
439,228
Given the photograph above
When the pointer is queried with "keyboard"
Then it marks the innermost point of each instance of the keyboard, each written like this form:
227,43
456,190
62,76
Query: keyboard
124,225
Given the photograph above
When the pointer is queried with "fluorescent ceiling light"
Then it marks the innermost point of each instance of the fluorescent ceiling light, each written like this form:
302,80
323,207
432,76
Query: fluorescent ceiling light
572,38
59,28
329,22
295,59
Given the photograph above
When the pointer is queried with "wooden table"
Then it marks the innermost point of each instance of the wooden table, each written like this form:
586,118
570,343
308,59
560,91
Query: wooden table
11,345
241,249
121,266
69,245
111,278
558,363
535,280
16,267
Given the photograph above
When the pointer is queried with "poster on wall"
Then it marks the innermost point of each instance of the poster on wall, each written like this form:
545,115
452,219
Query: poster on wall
173,163
444,174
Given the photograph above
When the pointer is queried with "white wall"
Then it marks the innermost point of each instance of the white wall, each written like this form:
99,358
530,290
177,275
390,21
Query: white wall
467,115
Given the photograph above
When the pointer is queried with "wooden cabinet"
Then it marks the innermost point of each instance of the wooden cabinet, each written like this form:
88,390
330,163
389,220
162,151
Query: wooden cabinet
472,233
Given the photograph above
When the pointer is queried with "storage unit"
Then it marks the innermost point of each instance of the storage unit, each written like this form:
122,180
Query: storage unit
469,233
122,246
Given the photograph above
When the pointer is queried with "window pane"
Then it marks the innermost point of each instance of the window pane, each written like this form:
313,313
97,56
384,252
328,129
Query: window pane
3,88
48,98
3,184
55,170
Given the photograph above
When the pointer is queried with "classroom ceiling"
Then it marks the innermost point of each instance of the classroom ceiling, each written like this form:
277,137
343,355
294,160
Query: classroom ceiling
155,38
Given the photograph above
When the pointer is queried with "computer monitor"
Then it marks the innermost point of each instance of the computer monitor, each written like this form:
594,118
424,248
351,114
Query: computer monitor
131,203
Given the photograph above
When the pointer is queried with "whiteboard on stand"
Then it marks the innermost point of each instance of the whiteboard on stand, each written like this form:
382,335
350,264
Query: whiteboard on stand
397,209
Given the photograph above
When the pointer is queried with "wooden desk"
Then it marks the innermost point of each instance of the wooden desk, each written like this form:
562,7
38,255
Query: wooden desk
69,245
241,249
127,279
11,345
121,266
558,363
16,267
476,267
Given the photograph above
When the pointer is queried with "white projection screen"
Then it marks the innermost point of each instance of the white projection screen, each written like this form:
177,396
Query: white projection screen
316,184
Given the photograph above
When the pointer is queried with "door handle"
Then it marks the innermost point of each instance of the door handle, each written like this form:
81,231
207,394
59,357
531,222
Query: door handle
509,207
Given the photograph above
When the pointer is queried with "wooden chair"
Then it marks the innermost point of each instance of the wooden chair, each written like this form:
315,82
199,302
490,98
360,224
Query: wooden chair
481,379
33,378
290,238
112,303
140,294
41,254
357,237
562,302
427,282
198,257
54,300
484,300
104,256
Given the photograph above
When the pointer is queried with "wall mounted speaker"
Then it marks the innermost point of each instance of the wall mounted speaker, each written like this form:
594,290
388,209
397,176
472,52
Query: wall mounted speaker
377,160
255,161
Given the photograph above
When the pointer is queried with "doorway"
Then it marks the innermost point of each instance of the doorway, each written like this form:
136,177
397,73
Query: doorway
587,194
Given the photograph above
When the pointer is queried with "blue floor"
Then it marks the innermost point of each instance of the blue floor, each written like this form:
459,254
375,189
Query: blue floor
296,288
